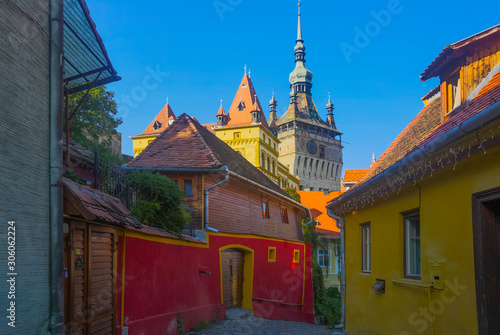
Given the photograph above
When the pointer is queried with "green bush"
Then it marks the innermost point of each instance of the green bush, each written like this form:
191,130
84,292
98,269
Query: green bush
158,201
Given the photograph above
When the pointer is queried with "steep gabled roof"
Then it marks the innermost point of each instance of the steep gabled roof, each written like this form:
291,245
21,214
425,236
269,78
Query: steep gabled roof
245,98
187,144
161,121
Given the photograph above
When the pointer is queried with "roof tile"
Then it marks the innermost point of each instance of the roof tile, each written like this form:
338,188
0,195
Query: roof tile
187,144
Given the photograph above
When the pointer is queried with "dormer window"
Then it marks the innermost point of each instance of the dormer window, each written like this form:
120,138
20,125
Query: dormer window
157,125
241,106
453,98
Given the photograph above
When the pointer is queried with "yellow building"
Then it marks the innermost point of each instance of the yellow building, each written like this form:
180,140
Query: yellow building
245,129
422,228
164,118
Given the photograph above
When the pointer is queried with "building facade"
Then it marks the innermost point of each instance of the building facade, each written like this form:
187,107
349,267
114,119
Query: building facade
251,227
310,147
245,129
421,228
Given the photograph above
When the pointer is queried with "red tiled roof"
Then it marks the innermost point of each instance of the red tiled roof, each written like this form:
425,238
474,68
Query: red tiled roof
247,97
327,233
162,120
415,132
452,51
94,205
486,97
316,201
187,144
354,175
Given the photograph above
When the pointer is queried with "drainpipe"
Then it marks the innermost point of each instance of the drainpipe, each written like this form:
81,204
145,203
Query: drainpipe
305,224
56,166
224,168
340,225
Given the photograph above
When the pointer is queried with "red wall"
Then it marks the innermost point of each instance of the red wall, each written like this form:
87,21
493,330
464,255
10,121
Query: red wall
163,283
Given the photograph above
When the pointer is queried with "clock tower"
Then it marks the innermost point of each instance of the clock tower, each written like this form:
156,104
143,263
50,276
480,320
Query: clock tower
310,147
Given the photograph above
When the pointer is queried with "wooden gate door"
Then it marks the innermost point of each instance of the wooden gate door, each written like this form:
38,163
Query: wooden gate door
486,206
91,305
232,277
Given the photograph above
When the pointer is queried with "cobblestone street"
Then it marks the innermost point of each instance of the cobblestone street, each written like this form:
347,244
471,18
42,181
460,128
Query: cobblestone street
252,325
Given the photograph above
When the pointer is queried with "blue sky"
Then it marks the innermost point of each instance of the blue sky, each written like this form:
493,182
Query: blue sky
368,54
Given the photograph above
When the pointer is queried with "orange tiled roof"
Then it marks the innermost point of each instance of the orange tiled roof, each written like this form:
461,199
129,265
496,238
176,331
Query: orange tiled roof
316,201
188,144
161,119
415,132
354,175
246,98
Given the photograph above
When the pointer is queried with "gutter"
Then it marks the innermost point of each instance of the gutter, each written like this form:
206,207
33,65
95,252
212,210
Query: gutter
340,225
224,168
487,115
56,168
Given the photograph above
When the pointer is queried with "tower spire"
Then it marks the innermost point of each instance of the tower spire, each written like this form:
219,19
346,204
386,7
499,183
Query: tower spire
301,77
299,28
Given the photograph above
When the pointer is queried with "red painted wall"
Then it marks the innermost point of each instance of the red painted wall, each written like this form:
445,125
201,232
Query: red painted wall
163,283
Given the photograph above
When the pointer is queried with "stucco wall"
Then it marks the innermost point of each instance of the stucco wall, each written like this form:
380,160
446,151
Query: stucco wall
445,234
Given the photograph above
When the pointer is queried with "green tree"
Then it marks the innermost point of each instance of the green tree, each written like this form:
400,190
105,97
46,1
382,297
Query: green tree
158,201
95,121
293,193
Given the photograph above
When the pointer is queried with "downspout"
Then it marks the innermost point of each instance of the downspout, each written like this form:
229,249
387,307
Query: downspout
224,168
340,225
55,167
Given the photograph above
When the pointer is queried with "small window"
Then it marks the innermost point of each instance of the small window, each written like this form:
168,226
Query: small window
284,215
321,151
265,208
237,135
188,187
271,254
323,259
412,245
366,247
296,256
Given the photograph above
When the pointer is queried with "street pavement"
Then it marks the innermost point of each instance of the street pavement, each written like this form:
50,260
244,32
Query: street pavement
249,325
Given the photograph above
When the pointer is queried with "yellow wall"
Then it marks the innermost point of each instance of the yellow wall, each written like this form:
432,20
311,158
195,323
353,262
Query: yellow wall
139,143
253,141
446,234
331,275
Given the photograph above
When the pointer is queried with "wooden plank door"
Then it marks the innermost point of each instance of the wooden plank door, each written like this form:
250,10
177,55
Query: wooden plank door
100,283
91,304
486,219
232,277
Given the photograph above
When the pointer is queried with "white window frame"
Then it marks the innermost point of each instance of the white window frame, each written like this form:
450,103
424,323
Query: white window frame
412,256
324,252
366,266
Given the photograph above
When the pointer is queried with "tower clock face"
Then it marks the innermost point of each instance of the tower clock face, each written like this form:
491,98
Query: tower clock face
312,147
